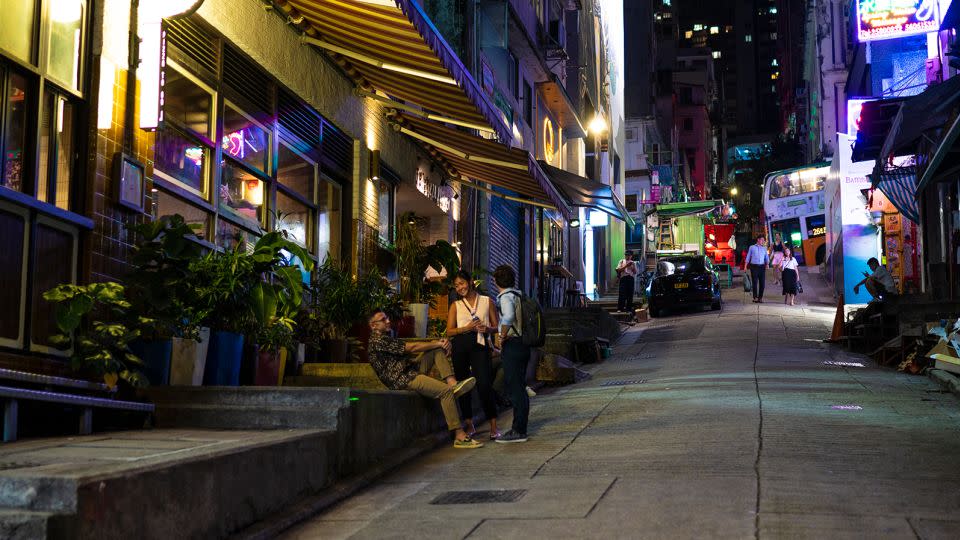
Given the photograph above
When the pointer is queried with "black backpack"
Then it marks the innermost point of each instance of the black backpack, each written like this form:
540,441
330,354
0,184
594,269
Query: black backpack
533,331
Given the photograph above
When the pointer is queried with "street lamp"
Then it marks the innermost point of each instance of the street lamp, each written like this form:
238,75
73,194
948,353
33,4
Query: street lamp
574,223
598,125
733,191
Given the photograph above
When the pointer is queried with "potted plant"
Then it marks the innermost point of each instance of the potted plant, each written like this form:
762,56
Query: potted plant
100,348
222,290
414,257
161,287
275,300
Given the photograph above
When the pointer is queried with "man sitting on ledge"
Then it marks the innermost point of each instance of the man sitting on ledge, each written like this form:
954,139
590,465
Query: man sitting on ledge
880,284
393,361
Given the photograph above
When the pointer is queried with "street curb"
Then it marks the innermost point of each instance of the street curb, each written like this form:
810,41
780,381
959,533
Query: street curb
946,380
274,525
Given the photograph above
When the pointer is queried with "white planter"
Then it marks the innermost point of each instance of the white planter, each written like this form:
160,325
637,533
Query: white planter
189,359
421,317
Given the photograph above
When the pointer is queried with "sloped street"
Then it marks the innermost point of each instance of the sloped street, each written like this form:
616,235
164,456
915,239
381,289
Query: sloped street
737,424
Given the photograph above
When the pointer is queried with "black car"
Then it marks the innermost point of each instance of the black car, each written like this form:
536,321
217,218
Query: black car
684,280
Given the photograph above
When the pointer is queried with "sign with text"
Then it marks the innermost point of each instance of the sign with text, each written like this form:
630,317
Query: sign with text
889,19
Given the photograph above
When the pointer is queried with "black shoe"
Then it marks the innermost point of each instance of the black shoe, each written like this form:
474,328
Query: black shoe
512,437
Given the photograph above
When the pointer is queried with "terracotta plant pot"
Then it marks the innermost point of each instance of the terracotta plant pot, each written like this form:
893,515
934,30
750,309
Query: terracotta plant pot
406,327
269,367
333,351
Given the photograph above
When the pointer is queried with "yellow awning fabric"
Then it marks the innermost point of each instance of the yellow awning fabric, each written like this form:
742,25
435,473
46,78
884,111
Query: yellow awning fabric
468,157
392,46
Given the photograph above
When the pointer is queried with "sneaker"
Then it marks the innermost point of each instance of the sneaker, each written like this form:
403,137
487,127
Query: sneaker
512,437
467,443
464,386
530,392
494,435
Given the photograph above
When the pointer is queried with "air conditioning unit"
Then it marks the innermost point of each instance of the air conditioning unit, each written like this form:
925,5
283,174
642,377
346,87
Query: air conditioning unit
934,72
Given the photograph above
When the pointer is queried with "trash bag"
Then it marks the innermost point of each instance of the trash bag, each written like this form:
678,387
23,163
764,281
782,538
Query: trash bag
747,284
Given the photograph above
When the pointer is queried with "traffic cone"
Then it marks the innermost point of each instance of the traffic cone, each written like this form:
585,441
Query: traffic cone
838,330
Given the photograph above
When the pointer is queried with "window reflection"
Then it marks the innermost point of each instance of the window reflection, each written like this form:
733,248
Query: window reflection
293,217
168,205
181,159
328,220
245,140
242,194
230,236
15,133
295,172
187,103
16,27
64,135
796,183
63,55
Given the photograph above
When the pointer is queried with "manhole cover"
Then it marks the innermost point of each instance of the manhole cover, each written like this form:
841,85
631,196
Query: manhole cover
622,383
471,497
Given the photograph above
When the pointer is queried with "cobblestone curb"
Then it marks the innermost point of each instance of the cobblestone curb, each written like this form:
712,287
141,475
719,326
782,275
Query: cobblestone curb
947,380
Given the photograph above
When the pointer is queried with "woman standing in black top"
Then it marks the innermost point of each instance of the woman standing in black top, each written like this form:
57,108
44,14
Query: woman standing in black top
470,322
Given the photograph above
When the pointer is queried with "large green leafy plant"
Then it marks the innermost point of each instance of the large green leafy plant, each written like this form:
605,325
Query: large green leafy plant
162,284
102,346
338,301
414,257
277,296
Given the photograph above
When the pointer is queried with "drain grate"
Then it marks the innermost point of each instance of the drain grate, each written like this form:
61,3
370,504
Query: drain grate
623,382
472,497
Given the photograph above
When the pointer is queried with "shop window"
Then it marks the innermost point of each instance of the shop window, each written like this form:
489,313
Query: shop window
16,27
245,140
63,52
242,194
57,148
329,218
13,243
187,101
182,159
55,260
293,218
167,204
296,173
386,199
233,236
15,129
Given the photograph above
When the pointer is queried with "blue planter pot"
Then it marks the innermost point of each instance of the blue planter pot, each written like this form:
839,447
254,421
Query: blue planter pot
223,359
155,355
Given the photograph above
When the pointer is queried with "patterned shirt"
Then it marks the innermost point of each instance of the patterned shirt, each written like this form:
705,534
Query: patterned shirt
388,357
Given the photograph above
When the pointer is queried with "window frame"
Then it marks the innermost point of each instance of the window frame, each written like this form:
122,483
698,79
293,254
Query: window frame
75,233
313,228
24,278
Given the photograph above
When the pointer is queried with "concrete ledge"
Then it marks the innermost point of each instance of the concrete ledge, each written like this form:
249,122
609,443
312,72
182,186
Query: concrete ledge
946,380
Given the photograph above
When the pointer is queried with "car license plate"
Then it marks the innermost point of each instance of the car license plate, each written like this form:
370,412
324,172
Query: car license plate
681,285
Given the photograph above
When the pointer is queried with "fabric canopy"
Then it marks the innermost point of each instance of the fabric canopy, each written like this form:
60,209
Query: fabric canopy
899,185
918,115
392,46
942,154
468,157
586,193
671,210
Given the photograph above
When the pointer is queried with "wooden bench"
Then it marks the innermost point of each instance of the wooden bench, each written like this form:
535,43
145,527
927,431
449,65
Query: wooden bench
12,395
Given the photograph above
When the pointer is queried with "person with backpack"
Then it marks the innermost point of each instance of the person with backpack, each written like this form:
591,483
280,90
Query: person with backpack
521,327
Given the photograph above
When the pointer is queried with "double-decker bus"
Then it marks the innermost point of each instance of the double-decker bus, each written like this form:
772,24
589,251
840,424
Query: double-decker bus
793,208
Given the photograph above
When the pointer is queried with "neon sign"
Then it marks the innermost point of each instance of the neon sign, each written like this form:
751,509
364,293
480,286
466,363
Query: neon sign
854,107
889,19
237,142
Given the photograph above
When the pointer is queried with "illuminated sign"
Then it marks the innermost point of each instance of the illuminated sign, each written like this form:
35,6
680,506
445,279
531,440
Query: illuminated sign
817,231
854,106
549,143
888,19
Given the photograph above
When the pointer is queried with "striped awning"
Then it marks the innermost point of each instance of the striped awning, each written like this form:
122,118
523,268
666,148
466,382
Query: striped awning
392,46
900,186
472,159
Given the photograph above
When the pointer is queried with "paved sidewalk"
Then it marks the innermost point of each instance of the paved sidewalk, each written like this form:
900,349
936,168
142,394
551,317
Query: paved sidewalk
702,425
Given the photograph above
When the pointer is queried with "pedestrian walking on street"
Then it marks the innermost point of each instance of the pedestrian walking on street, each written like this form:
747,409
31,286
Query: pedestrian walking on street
627,271
777,258
470,322
757,261
515,354
790,271
393,361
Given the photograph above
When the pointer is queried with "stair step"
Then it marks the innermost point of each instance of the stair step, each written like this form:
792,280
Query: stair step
206,416
249,395
23,524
